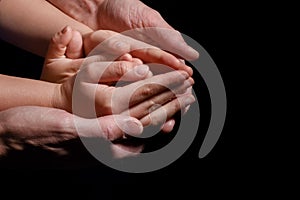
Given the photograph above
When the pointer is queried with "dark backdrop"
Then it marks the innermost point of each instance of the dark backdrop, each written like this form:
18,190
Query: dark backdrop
212,25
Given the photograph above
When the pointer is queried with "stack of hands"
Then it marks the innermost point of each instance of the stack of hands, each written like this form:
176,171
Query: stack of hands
104,77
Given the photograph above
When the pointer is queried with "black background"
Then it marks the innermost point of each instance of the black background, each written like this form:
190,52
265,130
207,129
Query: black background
232,164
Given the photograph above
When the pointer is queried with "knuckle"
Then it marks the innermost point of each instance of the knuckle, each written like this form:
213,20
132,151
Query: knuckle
106,108
88,71
55,39
117,44
175,107
153,15
120,69
109,133
151,104
147,91
178,105
65,123
150,89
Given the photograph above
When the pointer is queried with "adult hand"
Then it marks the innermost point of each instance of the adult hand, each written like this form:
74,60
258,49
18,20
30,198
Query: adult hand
65,56
66,49
91,95
47,127
125,15
67,43
108,45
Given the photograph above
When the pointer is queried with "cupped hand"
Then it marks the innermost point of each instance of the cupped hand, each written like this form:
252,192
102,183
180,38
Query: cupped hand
108,45
66,49
127,15
46,127
91,95
132,14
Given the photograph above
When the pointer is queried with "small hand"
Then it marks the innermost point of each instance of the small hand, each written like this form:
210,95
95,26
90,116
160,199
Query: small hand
64,57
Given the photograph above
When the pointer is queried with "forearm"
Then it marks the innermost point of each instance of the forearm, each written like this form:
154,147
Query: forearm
30,24
84,11
2,129
17,91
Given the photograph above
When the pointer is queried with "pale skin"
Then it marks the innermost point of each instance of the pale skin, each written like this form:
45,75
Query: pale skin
17,27
125,15
105,44
16,19
58,68
40,93
59,126
23,92
23,33
26,92
31,24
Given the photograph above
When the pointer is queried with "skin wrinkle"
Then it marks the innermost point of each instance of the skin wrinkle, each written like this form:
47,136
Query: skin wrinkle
53,132
109,133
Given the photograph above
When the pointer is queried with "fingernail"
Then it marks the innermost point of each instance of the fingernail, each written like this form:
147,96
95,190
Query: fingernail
187,108
191,81
181,61
190,71
184,74
132,127
142,70
65,29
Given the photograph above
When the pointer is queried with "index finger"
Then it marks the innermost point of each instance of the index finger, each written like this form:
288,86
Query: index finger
127,96
113,45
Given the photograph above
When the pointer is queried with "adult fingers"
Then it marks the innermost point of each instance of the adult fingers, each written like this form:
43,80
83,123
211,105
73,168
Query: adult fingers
111,127
144,51
144,108
168,126
189,91
154,55
104,72
123,150
128,57
170,40
165,112
137,92
105,42
109,46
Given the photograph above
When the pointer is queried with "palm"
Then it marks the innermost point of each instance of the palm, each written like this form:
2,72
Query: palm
126,14
130,14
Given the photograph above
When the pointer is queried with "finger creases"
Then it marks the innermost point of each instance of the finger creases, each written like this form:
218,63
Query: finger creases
140,91
162,114
144,108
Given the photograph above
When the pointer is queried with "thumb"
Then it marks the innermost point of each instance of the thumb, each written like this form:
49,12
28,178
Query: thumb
75,46
111,127
58,44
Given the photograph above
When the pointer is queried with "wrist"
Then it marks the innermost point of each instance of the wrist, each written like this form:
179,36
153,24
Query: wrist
2,129
60,98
